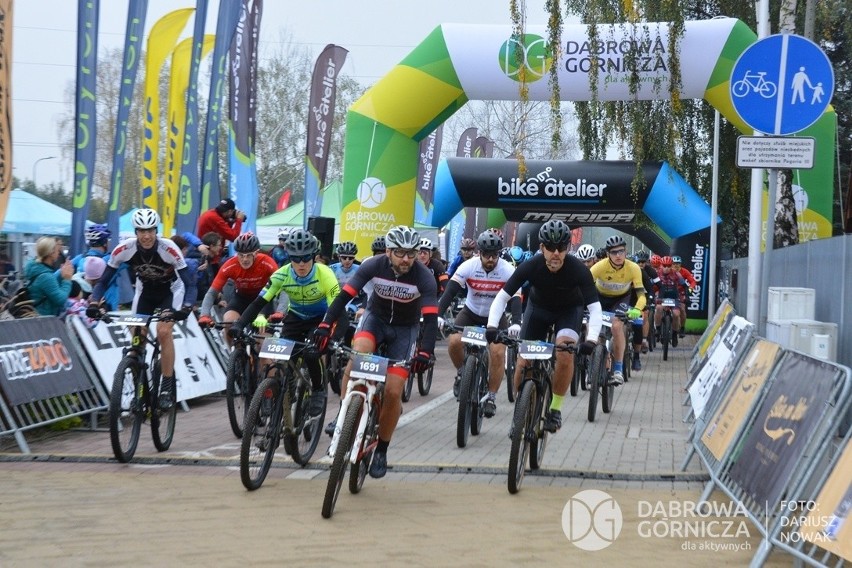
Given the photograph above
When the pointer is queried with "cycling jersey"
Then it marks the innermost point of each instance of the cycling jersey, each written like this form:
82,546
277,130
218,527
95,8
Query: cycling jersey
482,286
569,288
343,276
439,274
159,270
248,282
669,285
396,300
309,296
613,282
687,275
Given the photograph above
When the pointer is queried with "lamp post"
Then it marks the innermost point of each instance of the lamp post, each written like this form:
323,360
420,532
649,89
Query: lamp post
35,186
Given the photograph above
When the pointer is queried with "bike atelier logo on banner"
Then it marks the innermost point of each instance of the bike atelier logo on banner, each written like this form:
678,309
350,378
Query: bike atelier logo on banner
592,520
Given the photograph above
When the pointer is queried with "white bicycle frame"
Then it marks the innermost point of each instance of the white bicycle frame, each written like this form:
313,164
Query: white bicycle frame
372,386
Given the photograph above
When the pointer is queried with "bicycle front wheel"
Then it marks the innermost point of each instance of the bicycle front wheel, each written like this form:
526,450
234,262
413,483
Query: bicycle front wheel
261,434
341,456
406,390
476,412
597,378
238,390
162,421
126,409
522,425
538,435
666,334
466,392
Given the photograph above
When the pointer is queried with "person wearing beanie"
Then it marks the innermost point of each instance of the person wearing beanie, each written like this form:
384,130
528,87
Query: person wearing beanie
226,221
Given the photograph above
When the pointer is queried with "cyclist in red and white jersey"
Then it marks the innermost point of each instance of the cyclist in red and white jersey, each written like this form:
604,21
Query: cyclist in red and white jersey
483,276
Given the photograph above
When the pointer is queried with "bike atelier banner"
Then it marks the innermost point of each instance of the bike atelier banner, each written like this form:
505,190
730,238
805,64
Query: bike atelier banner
38,361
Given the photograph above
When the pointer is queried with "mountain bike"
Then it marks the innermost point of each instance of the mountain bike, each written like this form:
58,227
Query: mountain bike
356,432
581,363
667,305
136,387
652,328
241,377
280,411
474,383
600,367
529,438
424,379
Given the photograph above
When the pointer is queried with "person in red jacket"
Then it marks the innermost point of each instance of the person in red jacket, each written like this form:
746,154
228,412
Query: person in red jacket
225,220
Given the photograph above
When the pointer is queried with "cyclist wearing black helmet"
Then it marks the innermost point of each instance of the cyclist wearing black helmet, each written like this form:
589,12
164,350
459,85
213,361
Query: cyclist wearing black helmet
97,238
424,255
619,284
560,288
403,291
649,279
482,277
310,287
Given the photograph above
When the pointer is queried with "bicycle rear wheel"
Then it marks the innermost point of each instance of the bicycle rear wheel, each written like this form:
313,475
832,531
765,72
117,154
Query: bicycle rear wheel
466,392
522,424
358,471
538,437
162,421
597,377
306,428
126,409
341,456
238,390
424,381
261,433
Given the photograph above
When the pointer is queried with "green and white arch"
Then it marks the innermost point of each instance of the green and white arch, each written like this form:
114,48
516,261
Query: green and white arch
457,63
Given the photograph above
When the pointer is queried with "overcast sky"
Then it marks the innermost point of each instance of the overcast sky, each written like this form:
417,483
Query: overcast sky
377,33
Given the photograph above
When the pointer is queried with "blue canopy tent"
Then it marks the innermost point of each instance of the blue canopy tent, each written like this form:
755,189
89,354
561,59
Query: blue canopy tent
28,214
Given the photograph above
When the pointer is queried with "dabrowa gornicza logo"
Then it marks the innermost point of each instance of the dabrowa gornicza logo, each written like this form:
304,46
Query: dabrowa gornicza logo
530,54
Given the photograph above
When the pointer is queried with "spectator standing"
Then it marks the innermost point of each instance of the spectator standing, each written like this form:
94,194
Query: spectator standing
225,220
48,290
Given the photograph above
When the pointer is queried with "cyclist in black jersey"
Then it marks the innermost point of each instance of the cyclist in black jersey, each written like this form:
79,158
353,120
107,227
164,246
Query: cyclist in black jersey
162,281
403,291
560,288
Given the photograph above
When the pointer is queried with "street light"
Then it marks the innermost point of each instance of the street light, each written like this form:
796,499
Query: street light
35,186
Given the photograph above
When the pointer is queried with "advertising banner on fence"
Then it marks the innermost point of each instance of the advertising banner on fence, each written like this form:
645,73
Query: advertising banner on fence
735,407
719,366
197,368
38,361
710,336
828,524
796,402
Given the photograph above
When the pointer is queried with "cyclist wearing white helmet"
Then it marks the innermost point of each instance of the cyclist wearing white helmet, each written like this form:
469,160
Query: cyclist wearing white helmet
586,254
424,255
560,288
279,251
163,281
403,291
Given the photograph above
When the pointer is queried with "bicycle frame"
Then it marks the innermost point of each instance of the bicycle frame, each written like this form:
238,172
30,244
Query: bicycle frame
367,390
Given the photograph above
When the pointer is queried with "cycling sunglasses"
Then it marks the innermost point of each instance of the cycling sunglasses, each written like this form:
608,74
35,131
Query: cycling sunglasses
302,258
402,253
347,258
553,248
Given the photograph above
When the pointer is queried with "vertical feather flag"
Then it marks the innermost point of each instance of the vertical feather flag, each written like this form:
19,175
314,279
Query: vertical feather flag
85,116
161,41
240,187
5,105
136,12
254,23
229,12
320,120
462,224
178,89
188,180
427,163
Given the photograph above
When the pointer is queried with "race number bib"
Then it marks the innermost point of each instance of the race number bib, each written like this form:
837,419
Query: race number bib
535,350
131,320
369,366
475,335
669,302
606,318
277,348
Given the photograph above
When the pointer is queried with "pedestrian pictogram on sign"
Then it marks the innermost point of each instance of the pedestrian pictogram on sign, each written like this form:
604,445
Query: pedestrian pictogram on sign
782,84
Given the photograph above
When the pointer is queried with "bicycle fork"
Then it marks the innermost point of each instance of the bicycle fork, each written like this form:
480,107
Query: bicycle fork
362,421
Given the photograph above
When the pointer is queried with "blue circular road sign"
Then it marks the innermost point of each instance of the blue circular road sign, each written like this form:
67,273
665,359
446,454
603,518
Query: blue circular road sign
782,84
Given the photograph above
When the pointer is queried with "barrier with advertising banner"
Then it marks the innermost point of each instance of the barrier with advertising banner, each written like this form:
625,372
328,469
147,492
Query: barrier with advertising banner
198,369
43,379
767,434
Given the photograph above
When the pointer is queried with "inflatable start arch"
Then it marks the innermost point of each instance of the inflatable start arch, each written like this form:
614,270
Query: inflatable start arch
457,63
